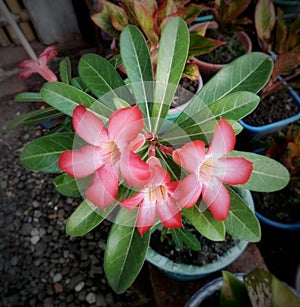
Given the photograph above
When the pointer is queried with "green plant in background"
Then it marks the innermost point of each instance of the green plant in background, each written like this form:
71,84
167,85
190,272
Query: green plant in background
281,38
228,15
150,17
258,288
134,165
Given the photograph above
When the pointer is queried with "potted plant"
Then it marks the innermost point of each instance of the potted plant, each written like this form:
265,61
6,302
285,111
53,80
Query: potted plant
150,17
280,103
135,167
228,27
281,209
256,288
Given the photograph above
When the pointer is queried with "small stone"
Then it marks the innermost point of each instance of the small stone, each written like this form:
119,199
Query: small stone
79,286
91,298
34,232
100,300
35,239
57,277
14,260
58,288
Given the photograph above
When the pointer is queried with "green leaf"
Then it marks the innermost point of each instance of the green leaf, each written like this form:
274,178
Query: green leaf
65,70
28,96
136,60
233,291
101,78
70,186
34,117
176,237
65,98
189,239
172,56
249,72
42,154
125,253
205,223
242,222
268,175
85,218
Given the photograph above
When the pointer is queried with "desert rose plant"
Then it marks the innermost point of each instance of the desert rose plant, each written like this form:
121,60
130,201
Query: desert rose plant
135,165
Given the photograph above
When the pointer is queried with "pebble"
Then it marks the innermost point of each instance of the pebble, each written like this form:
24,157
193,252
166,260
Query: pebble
79,286
91,298
35,239
57,277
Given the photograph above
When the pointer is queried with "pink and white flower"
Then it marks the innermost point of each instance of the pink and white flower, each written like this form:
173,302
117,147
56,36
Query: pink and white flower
159,197
39,66
109,153
210,169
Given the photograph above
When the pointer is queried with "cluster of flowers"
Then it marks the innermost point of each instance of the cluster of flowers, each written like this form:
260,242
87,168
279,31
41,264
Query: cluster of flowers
111,156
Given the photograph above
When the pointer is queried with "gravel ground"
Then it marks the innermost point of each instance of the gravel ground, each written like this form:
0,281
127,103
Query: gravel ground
39,264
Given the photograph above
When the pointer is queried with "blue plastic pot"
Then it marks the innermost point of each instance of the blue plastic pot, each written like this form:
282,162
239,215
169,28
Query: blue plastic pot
266,129
285,226
185,272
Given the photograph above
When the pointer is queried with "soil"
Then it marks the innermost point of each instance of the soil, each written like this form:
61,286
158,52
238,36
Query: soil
280,206
210,251
226,53
273,108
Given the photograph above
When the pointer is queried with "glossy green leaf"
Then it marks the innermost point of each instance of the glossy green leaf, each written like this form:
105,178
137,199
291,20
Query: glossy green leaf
233,291
172,56
85,218
65,70
268,175
34,117
205,223
138,66
28,96
42,154
176,237
249,72
65,98
101,78
242,222
70,186
233,106
125,253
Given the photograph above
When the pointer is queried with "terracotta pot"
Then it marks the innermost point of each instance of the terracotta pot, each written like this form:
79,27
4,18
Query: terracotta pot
207,69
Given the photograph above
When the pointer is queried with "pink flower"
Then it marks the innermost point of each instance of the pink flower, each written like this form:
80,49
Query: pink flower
108,154
40,65
159,197
209,170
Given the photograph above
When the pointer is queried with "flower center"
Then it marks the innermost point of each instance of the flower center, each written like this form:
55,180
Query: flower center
155,194
112,153
206,169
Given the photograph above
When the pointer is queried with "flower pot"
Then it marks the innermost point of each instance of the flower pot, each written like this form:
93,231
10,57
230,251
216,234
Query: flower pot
275,224
215,286
173,112
264,130
288,6
208,290
207,69
184,272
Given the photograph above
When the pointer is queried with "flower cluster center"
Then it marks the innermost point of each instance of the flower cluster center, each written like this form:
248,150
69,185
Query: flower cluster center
156,193
112,153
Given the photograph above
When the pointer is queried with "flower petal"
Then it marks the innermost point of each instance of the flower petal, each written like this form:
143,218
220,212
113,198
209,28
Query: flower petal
233,170
169,213
103,190
158,174
137,143
80,163
217,199
190,155
188,191
88,126
125,125
146,217
133,201
134,171
223,140
49,53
